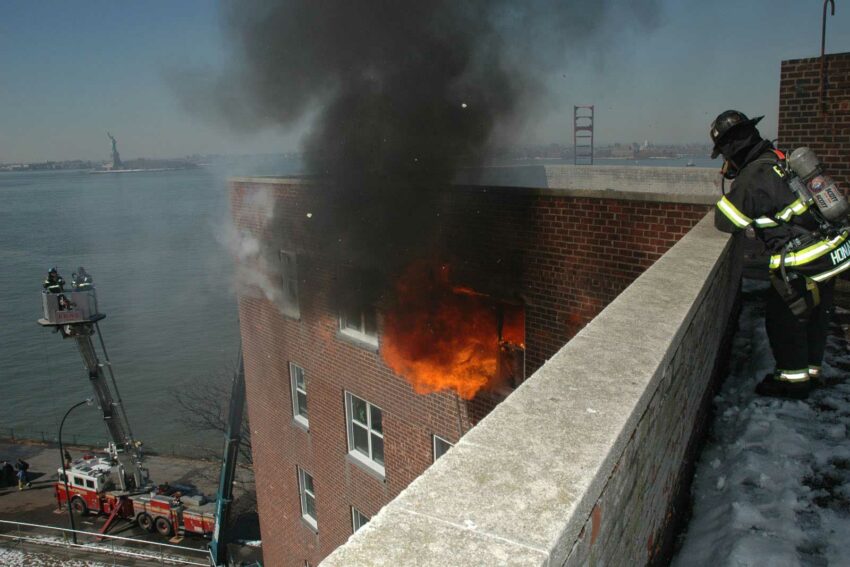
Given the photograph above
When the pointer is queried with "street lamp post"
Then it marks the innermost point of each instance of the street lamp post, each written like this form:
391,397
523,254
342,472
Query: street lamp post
88,401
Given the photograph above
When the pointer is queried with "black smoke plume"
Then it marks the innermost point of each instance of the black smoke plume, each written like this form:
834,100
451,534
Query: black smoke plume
401,94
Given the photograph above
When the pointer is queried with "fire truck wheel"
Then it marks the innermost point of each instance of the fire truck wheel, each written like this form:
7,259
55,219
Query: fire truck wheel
163,526
145,521
78,505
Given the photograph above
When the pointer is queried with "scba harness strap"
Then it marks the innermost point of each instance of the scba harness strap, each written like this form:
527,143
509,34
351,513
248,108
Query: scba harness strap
799,301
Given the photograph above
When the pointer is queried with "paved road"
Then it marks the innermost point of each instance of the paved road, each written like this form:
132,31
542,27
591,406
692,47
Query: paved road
37,505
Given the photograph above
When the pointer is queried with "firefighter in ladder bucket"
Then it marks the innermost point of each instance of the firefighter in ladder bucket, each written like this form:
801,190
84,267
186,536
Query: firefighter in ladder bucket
81,280
53,283
800,215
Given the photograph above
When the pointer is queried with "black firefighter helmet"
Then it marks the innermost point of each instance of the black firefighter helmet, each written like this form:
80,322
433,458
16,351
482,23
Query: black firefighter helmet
726,122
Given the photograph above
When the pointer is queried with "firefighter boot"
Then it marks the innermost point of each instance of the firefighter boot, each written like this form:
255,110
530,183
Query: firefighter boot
775,388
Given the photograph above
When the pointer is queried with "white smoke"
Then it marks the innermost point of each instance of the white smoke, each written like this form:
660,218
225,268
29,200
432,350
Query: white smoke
257,270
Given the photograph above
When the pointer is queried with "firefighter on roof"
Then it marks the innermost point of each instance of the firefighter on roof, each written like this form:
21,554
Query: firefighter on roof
806,250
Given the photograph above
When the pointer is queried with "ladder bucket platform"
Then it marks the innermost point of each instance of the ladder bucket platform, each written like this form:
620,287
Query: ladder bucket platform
69,307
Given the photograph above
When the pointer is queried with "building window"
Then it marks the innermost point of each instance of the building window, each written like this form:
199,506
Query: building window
358,520
365,432
299,394
308,498
289,282
360,323
440,447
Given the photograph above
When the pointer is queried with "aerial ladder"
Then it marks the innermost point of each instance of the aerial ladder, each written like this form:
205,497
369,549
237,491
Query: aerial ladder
224,498
74,315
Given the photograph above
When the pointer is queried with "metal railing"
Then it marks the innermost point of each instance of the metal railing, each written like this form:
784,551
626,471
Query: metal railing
21,534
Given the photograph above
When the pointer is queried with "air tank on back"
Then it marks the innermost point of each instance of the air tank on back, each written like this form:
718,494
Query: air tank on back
825,192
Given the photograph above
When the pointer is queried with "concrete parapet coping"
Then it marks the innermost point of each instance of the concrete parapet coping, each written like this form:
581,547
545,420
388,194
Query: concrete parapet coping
272,180
634,183
614,194
669,184
519,487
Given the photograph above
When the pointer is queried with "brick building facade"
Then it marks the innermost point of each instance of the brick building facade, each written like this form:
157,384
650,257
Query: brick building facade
801,120
364,433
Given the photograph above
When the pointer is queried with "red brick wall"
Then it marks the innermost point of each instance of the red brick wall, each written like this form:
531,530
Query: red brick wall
800,121
574,256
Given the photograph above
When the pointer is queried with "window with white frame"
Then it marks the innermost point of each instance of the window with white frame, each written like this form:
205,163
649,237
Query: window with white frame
289,281
308,497
440,447
358,520
299,394
365,432
360,323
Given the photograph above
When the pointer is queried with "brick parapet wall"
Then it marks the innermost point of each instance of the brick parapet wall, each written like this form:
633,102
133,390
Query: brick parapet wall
557,236
583,464
800,121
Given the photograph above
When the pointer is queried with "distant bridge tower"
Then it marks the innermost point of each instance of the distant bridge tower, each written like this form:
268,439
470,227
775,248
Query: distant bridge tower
116,157
583,134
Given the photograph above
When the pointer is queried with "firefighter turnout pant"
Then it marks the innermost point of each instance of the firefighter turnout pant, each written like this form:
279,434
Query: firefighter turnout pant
798,345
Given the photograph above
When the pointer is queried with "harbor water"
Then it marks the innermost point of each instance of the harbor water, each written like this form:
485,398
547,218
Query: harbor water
154,243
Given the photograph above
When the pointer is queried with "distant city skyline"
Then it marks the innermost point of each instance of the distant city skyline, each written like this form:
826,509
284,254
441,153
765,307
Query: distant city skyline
72,71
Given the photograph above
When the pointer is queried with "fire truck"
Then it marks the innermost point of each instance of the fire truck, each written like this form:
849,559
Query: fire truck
116,484
166,510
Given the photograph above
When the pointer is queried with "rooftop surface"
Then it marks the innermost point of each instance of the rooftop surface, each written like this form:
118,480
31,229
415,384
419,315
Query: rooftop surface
773,483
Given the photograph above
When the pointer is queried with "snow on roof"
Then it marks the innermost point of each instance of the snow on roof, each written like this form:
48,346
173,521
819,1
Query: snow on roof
772,486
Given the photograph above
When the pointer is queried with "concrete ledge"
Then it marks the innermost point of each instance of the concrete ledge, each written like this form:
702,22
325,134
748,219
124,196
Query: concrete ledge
273,180
581,463
685,184
710,198
692,185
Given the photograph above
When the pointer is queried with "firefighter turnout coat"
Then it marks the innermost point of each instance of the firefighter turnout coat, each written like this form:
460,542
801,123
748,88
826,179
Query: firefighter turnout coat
761,199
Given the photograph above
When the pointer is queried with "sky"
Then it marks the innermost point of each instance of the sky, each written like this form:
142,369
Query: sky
72,70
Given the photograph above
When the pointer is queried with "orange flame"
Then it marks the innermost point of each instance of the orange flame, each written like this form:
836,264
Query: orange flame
441,337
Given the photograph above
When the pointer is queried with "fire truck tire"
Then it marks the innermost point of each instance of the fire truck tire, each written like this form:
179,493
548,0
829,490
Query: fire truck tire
78,505
163,526
145,521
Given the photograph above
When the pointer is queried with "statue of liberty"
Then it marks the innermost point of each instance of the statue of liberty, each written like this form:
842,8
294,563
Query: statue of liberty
116,158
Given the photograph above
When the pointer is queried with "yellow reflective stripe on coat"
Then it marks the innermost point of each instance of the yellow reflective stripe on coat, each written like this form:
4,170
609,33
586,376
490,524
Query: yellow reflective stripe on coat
808,254
796,208
765,222
834,271
738,218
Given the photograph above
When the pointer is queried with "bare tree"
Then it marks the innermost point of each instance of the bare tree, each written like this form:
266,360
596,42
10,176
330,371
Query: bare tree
207,409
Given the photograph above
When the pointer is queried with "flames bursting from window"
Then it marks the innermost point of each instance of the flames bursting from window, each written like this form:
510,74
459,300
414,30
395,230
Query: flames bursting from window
440,336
